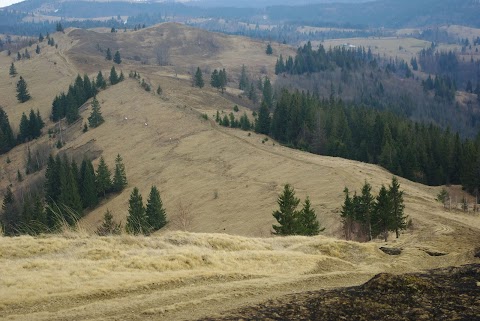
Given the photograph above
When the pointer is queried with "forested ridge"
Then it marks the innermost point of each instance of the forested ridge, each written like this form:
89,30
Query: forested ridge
419,152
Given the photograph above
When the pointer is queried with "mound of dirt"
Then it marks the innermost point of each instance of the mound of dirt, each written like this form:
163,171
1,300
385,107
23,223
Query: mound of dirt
441,294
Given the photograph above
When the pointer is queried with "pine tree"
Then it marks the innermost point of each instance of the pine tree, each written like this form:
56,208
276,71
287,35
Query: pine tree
215,80
198,79
109,54
116,58
262,126
103,181
396,198
348,215
95,119
22,91
37,50
156,216
40,37
159,90
365,208
88,190
137,218
119,176
40,220
13,70
287,214
59,27
307,221
109,227
113,76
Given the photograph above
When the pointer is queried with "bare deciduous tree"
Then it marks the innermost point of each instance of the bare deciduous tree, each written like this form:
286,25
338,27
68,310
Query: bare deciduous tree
162,54
183,218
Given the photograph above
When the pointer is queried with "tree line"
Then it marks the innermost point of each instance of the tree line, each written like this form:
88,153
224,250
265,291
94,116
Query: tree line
68,193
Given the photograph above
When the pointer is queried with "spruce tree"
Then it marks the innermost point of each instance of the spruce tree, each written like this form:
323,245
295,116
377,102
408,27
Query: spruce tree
269,50
37,50
268,93
382,219
88,190
307,220
10,217
396,198
109,54
198,78
95,119
243,83
100,81
156,216
113,76
119,176
347,214
7,139
262,126
103,181
24,133
137,218
13,70
365,209
117,59
71,203
287,214
40,224
22,91
108,227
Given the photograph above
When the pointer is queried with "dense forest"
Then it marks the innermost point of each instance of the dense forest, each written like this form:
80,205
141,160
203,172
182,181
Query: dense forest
419,152
356,75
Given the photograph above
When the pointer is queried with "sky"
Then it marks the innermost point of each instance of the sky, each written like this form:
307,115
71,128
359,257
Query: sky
4,3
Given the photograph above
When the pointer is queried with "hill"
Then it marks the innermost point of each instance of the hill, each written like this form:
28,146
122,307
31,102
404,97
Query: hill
226,180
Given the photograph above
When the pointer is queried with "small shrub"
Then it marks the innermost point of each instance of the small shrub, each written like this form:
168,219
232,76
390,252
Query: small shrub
235,109
204,116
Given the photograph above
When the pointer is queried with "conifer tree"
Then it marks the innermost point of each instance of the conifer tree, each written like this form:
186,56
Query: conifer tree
137,218
71,203
262,126
113,76
268,93
109,227
95,119
22,91
24,133
103,181
37,50
382,219
365,209
198,79
119,176
52,190
10,217
307,220
287,214
100,81
40,37
7,139
88,190
117,59
243,83
348,215
13,71
156,216
109,54
39,216
215,80
396,198
269,50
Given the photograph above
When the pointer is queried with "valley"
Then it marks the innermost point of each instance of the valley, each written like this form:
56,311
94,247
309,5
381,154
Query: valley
216,256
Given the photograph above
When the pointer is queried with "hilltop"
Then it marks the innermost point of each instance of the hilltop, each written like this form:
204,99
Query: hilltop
227,179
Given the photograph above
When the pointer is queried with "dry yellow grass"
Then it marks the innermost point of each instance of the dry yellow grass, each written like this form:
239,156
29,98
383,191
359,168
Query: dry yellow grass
175,275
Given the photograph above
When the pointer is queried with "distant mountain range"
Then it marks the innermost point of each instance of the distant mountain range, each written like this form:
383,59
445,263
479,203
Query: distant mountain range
380,13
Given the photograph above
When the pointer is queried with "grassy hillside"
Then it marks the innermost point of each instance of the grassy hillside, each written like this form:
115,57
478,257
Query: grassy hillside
228,181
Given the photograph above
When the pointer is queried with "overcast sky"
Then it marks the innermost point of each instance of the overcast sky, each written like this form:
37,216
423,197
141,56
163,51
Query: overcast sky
4,3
